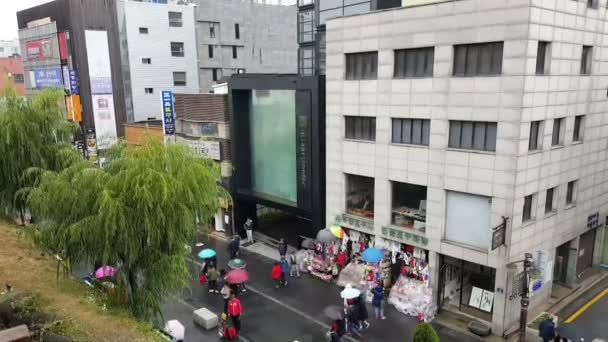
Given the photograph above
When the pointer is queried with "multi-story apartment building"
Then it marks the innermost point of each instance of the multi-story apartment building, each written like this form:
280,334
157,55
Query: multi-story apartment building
238,36
158,52
9,48
448,119
312,16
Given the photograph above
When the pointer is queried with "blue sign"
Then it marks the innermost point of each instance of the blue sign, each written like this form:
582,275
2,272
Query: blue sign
48,78
101,85
168,112
74,87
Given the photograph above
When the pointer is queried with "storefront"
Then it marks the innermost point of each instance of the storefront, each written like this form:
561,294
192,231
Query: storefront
466,287
585,252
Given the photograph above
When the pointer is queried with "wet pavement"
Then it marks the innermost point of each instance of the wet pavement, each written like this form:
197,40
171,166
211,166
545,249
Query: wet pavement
592,322
292,313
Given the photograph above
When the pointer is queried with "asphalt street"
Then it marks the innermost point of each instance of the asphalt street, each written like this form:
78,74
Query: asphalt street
591,321
292,313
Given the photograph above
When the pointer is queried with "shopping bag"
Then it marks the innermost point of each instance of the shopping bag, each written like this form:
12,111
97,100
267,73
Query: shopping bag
202,279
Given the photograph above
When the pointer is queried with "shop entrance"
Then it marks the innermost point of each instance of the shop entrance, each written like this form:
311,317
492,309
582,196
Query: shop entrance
561,263
585,252
466,287
278,224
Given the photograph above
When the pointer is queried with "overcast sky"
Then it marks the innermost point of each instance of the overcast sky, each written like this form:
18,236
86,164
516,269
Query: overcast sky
8,15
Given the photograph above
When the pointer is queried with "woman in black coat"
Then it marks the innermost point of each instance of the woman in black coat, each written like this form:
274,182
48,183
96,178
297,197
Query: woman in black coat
362,314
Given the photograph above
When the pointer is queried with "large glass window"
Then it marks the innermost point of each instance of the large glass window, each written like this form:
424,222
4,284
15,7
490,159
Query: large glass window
360,128
411,131
468,219
409,206
357,9
306,26
362,66
272,117
360,196
478,59
414,62
306,60
329,14
179,78
473,135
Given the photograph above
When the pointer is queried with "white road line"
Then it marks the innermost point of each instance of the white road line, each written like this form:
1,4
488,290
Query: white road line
290,308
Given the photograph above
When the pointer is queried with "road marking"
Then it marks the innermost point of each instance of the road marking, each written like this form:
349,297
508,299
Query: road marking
290,308
586,306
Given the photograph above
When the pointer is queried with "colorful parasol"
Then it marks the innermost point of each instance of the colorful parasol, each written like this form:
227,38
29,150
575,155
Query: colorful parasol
372,255
337,231
206,253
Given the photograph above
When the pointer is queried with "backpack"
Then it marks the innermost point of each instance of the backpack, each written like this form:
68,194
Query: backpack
234,307
231,334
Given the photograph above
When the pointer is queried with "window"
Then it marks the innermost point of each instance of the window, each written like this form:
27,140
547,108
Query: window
211,30
571,193
535,139
557,136
177,49
408,206
306,26
143,30
18,78
542,58
175,19
527,215
362,66
550,200
234,55
360,196
237,32
414,62
210,48
473,135
478,59
411,131
306,60
360,128
593,4
578,128
146,60
305,2
179,78
217,74
149,90
468,219
586,60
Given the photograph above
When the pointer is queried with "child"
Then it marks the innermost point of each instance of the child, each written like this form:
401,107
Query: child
284,271
378,293
212,278
276,274
220,281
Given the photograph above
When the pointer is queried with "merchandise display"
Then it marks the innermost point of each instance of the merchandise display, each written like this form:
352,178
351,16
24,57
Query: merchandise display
414,298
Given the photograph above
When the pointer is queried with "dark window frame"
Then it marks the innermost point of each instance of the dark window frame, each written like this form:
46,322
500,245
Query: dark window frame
180,83
362,128
549,208
211,30
527,210
570,195
175,22
361,66
468,59
214,74
146,60
143,30
210,51
234,52
535,135
237,31
306,26
578,131
406,132
542,56
466,142
586,59
149,90
557,138
18,78
414,63
178,49
594,4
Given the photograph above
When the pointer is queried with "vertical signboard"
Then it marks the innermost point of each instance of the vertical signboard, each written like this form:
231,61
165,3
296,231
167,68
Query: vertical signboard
303,147
73,79
66,78
168,113
63,46
91,145
100,74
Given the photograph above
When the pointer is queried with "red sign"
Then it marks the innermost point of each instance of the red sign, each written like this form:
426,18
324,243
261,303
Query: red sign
38,50
63,46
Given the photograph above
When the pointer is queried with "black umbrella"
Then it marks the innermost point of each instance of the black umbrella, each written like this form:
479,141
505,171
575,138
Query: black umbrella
326,236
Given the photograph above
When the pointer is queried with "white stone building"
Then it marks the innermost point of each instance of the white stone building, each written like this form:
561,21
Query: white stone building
443,117
158,52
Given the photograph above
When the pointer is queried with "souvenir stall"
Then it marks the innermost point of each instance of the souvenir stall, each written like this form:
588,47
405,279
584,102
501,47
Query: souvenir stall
320,259
411,293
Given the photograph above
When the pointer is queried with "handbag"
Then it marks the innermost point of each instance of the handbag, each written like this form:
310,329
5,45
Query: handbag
202,279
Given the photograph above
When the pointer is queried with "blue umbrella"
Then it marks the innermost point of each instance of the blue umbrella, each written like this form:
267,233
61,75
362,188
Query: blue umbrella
372,255
206,253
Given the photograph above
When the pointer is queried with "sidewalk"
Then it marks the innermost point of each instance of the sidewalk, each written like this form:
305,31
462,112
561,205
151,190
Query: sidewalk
298,307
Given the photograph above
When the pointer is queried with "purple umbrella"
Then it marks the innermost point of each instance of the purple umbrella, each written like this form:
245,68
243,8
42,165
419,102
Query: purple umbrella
105,272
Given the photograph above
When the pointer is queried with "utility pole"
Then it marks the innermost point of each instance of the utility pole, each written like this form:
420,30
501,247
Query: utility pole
525,297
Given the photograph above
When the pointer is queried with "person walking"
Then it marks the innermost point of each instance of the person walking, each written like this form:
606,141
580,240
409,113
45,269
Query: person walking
294,267
282,248
378,293
352,324
234,246
220,281
362,314
249,229
284,271
546,330
212,279
276,274
336,330
234,311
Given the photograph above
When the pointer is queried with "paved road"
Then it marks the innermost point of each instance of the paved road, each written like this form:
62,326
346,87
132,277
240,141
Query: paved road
592,322
287,314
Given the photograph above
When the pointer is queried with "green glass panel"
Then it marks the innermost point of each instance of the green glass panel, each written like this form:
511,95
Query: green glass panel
273,143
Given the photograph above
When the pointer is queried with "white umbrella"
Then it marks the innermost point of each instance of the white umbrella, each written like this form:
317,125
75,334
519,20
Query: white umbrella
350,292
175,329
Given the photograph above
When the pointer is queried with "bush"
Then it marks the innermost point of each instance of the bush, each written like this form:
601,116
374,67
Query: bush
425,333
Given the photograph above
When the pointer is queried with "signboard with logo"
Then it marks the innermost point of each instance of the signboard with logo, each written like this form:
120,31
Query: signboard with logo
208,149
48,78
168,112
73,79
91,145
37,50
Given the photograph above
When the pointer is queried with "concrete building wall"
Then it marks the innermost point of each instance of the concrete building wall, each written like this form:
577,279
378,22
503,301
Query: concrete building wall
267,40
512,99
156,45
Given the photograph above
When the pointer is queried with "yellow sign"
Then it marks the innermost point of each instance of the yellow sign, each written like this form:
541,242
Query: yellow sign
73,107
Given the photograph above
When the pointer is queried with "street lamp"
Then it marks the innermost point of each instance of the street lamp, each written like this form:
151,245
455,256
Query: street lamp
525,294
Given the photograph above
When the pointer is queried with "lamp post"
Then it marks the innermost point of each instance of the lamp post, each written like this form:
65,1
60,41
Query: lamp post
525,297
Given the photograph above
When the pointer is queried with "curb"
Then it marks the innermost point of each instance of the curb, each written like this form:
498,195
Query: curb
560,305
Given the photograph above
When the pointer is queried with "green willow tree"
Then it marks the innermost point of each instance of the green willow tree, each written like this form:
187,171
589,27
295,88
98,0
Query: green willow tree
138,214
32,134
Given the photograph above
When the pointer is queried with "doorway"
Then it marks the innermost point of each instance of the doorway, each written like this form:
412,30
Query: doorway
561,263
280,224
585,252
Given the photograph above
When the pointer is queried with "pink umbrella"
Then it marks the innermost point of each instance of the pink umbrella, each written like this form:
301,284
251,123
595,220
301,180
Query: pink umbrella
237,276
105,272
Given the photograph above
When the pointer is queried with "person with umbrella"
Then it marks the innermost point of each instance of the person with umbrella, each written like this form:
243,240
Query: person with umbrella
362,314
546,330
337,328
378,293
238,264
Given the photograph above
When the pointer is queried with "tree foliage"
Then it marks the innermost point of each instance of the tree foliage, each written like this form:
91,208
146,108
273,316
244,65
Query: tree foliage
138,213
425,333
32,132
